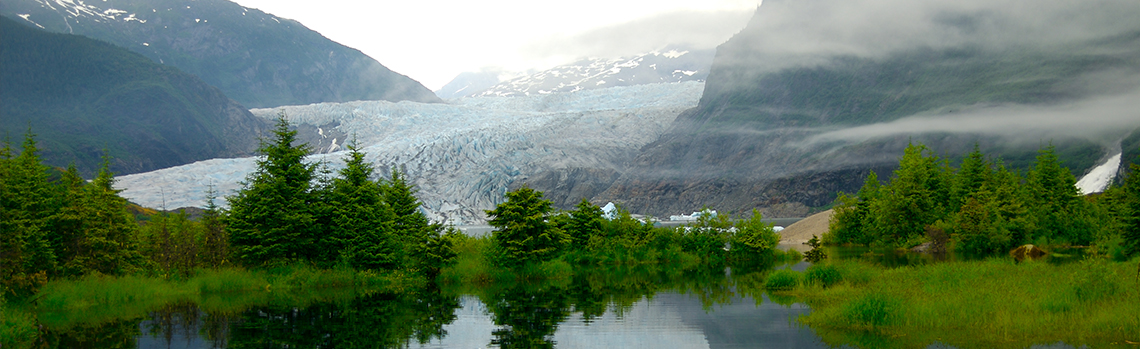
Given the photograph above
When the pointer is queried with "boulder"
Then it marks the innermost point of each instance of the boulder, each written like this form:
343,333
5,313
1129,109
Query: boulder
1029,252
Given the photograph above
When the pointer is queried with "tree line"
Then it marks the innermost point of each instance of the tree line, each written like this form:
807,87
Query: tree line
982,207
528,230
54,224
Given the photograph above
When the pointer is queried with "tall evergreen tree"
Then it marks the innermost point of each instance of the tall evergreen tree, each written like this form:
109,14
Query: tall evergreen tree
913,199
973,173
105,234
68,222
1131,211
215,241
271,218
522,232
28,203
1053,198
410,226
585,222
361,220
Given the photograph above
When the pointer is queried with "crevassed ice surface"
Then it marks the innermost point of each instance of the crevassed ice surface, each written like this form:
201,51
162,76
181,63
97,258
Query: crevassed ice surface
462,155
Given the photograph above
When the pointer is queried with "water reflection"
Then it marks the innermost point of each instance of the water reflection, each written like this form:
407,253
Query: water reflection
645,306
630,307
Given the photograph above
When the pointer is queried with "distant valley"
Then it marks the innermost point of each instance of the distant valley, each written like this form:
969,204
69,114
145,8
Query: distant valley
781,117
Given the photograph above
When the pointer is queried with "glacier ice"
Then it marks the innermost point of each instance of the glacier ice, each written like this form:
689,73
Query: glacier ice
462,155
1098,179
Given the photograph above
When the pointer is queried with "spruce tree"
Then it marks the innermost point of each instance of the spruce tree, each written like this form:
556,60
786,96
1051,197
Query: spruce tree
68,222
215,241
973,173
1053,195
95,230
522,232
27,204
271,218
585,222
1131,211
912,200
361,220
411,227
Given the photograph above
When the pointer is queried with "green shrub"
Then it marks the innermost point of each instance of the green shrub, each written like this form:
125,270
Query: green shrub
782,279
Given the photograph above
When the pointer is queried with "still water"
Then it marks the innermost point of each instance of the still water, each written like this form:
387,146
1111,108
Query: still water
640,307
643,307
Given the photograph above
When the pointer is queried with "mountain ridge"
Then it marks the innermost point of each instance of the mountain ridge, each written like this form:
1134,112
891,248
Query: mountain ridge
258,59
81,96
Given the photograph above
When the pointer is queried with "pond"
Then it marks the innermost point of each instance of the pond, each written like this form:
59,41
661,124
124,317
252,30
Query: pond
635,307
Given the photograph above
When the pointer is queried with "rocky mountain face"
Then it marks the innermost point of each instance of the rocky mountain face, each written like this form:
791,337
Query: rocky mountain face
258,59
82,97
669,65
786,125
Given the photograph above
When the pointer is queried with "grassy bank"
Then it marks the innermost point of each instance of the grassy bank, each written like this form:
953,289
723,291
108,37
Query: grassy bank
969,304
97,298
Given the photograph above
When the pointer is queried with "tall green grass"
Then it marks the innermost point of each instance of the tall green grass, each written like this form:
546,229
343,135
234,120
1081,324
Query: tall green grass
17,328
987,303
98,298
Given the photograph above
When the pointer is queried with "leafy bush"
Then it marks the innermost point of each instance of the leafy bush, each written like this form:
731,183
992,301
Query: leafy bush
753,237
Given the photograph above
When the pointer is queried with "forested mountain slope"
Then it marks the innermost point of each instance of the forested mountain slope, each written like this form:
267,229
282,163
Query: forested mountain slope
256,58
81,96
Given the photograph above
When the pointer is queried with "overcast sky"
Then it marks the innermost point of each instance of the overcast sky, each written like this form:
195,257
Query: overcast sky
433,41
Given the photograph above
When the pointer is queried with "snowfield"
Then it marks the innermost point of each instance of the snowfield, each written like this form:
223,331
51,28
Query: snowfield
461,155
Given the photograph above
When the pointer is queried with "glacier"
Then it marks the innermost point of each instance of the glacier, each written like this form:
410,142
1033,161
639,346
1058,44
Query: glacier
461,155
1098,179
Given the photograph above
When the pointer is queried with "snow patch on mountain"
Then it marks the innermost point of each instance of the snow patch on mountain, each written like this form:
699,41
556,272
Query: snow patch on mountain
78,9
462,155
648,68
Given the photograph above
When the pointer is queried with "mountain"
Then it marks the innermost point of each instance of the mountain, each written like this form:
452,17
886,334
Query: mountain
81,96
672,65
803,103
469,83
258,59
464,155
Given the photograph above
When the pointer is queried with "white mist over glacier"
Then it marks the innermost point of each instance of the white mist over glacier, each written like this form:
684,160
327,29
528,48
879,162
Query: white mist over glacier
462,155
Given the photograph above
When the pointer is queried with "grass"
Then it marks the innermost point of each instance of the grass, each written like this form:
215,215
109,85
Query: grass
98,298
782,279
970,304
17,328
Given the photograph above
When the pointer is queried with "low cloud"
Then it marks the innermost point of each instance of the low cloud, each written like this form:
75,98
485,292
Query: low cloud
689,29
808,32
1103,119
